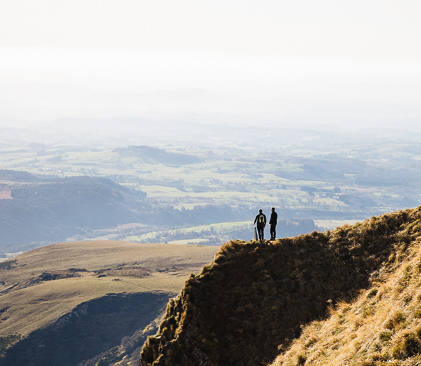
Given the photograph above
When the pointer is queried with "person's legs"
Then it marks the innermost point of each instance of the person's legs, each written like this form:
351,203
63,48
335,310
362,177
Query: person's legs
260,232
272,232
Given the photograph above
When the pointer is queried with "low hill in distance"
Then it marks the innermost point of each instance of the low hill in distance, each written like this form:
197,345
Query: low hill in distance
350,296
154,155
83,302
43,210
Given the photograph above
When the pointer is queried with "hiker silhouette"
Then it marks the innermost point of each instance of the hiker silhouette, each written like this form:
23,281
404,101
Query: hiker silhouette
260,222
272,223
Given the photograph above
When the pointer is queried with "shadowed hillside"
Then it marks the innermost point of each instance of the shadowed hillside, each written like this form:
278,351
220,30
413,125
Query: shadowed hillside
254,299
90,329
89,303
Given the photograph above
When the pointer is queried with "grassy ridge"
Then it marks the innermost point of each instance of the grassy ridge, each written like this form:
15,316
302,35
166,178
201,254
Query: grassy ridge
255,298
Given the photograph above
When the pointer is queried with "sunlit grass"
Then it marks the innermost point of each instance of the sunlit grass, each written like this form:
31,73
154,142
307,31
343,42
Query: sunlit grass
32,305
382,326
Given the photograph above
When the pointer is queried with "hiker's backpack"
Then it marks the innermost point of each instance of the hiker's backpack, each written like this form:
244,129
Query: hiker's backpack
261,219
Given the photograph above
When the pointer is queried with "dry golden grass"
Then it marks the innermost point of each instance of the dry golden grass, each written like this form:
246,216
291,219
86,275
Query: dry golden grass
101,267
381,327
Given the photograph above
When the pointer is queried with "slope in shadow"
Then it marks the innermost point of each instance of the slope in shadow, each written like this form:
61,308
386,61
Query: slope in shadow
91,328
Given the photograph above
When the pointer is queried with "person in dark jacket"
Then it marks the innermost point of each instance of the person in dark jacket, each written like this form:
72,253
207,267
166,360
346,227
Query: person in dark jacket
272,222
260,222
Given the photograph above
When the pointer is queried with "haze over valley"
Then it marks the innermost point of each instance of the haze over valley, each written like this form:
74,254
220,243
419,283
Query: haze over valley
198,118
204,189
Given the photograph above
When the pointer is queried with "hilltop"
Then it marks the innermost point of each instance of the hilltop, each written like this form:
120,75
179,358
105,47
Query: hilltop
347,296
87,302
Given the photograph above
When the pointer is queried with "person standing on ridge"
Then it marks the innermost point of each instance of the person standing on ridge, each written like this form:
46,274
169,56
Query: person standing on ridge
272,222
260,222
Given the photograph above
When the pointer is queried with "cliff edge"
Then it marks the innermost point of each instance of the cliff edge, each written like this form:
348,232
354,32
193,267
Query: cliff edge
254,300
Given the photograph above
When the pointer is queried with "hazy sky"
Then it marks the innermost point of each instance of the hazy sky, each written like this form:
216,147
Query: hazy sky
333,61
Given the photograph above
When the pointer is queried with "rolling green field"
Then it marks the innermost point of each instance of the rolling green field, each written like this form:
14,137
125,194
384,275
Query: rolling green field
194,188
215,180
216,229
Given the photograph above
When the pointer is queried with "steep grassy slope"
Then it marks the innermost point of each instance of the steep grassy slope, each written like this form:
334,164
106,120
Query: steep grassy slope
66,303
381,327
255,298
